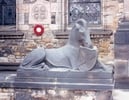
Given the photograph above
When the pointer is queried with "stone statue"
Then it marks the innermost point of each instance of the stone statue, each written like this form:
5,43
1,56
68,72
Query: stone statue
78,54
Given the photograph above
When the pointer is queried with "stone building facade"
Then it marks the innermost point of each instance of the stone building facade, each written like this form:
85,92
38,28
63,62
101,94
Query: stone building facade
56,16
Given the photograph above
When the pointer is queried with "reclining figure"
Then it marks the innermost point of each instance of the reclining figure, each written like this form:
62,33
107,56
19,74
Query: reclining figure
78,54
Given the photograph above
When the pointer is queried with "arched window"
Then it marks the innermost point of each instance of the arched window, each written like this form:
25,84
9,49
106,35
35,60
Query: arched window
90,10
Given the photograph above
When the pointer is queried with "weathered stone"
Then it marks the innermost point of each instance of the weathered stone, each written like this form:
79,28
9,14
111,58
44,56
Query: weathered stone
30,44
47,40
26,16
23,96
11,90
104,95
28,49
17,53
7,50
3,59
54,40
55,94
49,45
36,37
6,96
121,69
48,34
11,58
19,60
28,36
5,54
2,41
18,57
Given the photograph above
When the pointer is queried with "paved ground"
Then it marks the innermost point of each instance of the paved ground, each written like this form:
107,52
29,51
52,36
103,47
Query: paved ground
121,95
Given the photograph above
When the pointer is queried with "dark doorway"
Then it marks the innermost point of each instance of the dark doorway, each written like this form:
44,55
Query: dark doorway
7,12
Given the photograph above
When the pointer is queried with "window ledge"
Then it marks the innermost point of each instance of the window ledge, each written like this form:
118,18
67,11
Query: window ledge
12,34
94,33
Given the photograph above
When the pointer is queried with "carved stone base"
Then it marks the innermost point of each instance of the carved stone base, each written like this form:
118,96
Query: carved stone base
71,80
58,86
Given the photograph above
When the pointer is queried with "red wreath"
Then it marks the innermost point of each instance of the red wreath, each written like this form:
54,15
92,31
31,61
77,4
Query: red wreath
38,33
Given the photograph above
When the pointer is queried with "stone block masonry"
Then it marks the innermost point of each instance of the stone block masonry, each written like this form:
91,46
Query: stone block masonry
14,50
53,94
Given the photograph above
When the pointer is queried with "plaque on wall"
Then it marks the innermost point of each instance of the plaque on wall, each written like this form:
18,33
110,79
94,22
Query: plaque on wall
39,13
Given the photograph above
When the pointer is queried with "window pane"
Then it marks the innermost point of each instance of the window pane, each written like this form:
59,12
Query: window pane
90,10
0,15
7,12
53,18
9,15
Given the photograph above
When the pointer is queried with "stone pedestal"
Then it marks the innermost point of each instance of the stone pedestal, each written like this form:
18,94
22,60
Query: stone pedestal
57,86
122,55
70,80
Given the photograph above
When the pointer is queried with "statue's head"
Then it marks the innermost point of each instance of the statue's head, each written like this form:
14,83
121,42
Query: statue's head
81,22
80,32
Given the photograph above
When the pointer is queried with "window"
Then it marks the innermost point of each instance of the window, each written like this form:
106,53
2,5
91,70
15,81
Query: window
90,10
7,12
53,18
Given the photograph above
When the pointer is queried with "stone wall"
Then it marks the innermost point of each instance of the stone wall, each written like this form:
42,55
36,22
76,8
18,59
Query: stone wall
53,94
53,18
14,50
112,12
126,7
55,14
